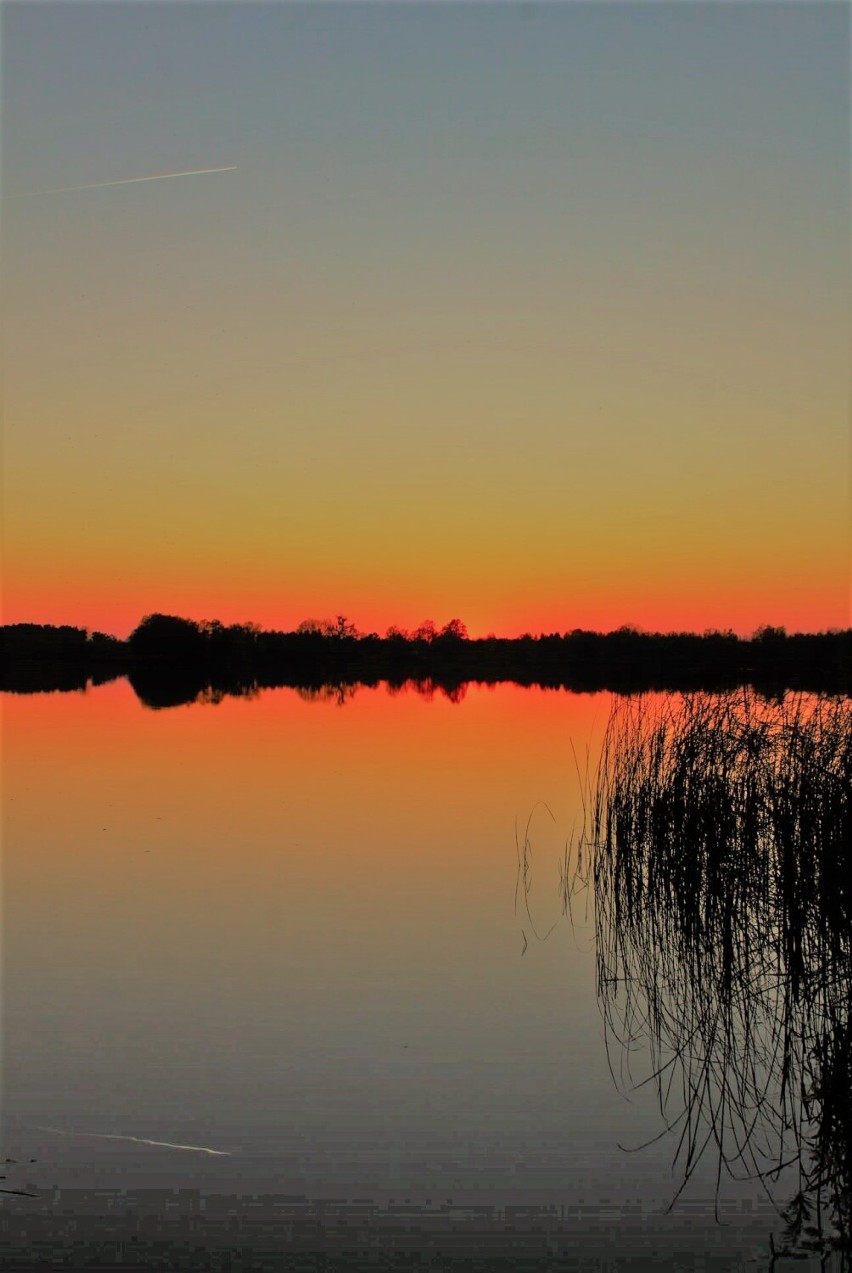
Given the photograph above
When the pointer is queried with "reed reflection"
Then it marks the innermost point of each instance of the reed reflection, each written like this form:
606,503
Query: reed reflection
717,843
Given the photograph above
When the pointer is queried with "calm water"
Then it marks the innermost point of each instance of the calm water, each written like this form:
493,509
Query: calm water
288,931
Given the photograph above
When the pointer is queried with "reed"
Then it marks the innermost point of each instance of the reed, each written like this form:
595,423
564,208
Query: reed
717,839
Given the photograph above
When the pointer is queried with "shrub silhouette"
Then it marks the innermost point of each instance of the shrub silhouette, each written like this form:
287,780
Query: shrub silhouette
168,638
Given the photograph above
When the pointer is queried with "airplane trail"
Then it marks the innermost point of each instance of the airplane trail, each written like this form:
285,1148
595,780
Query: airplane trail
140,1140
127,181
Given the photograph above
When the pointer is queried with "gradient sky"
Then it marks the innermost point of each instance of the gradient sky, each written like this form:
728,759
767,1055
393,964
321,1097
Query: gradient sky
537,315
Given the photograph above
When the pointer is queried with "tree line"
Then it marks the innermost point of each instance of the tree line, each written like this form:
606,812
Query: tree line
172,659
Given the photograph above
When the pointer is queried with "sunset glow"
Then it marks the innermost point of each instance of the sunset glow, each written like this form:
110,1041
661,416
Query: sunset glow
535,316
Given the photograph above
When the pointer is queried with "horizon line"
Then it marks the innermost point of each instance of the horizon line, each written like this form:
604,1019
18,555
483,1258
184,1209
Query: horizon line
327,629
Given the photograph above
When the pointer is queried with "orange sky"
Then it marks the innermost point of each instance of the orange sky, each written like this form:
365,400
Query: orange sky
513,322
810,600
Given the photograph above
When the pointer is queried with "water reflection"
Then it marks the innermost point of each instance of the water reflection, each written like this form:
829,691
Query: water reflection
716,841
283,930
157,689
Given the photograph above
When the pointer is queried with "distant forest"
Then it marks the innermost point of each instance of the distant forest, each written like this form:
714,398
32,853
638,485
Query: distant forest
170,660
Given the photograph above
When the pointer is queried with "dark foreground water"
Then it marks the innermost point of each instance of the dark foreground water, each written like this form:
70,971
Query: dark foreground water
289,983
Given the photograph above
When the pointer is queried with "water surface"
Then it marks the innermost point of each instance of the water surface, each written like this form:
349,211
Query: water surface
289,930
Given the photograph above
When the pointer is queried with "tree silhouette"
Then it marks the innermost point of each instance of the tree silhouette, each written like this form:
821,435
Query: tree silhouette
426,631
167,637
455,630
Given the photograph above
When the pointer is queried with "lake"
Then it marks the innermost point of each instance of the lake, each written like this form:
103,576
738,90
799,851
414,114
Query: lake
304,952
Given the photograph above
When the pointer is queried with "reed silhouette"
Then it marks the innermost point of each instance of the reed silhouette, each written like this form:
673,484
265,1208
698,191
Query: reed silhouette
717,844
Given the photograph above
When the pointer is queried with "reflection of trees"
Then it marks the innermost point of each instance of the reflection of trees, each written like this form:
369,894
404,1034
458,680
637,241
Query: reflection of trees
340,694
427,688
717,837
172,658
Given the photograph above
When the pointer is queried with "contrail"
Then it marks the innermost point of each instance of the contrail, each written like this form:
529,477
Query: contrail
140,1140
126,181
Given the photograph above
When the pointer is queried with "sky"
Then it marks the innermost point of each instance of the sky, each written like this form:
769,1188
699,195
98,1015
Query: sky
535,315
